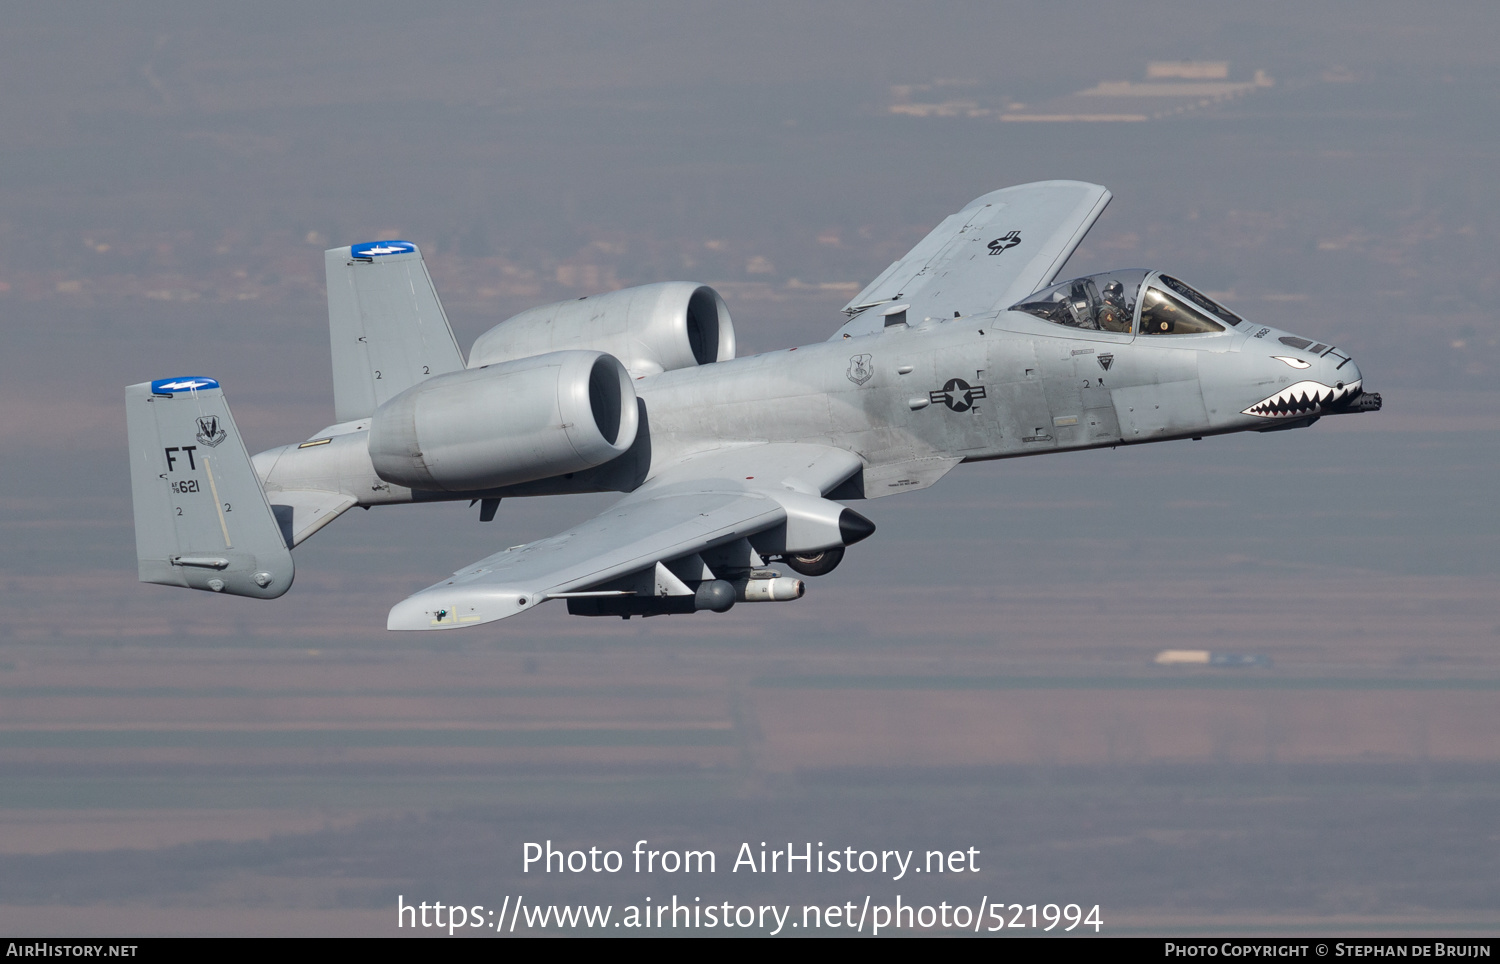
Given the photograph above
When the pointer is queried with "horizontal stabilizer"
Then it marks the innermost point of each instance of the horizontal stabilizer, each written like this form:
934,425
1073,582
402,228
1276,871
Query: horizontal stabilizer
201,517
301,513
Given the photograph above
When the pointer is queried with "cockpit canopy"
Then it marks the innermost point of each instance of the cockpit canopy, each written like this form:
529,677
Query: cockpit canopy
1133,300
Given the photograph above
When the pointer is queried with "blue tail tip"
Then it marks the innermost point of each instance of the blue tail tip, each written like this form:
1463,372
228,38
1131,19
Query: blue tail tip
374,249
171,386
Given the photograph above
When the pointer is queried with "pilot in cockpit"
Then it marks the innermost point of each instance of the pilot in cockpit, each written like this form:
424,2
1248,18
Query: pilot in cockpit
1101,302
1114,312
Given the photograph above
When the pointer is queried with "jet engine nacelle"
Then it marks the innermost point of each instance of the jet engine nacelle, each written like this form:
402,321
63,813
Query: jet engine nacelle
523,420
650,329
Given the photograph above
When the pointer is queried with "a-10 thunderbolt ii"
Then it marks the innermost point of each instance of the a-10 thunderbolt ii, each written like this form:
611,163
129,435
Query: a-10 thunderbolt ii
962,351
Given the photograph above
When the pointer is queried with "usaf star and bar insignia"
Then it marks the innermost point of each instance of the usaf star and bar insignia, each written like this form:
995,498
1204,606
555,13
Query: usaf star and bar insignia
957,394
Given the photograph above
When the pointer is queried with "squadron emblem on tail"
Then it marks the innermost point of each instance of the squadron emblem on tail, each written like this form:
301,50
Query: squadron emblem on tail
209,432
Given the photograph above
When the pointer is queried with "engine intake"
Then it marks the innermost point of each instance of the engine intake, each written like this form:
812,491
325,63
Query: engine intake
650,329
523,420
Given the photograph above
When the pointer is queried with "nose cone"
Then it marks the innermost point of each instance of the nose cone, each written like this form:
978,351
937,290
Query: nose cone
854,527
1349,374
1319,385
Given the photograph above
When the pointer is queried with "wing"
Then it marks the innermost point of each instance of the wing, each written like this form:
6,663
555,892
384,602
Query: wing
652,541
998,249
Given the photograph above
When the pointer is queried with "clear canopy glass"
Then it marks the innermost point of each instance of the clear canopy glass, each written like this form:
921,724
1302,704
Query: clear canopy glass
1099,302
1201,300
1165,313
1116,300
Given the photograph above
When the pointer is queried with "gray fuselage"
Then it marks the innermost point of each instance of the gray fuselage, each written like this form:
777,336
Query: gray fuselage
913,401
1003,386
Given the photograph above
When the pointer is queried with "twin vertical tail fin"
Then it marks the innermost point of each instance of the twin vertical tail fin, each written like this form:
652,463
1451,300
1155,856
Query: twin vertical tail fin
386,326
201,517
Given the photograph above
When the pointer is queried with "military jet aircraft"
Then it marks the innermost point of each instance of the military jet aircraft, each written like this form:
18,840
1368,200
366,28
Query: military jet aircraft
962,351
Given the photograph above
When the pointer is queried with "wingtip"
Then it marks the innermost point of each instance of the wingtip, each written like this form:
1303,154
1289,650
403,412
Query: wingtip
408,615
422,612
457,609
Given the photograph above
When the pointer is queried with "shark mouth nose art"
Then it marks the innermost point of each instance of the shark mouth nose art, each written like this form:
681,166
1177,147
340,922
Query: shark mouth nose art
1304,398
